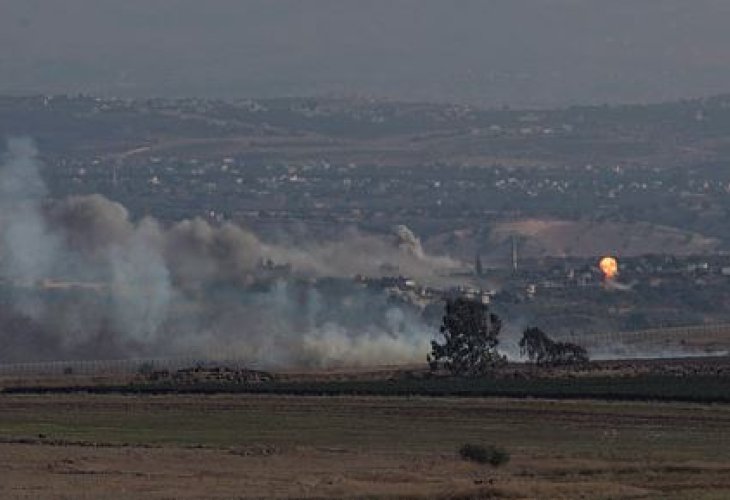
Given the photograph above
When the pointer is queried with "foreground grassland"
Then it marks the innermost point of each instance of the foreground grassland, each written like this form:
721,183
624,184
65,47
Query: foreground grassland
232,446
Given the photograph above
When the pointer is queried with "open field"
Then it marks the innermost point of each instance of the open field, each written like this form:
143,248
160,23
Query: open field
234,446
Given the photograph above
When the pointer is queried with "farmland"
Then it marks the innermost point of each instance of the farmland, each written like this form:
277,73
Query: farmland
249,445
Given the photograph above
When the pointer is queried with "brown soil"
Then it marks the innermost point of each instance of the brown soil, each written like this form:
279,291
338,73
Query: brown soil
356,447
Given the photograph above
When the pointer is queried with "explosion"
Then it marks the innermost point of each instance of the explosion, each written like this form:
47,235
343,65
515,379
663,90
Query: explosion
609,266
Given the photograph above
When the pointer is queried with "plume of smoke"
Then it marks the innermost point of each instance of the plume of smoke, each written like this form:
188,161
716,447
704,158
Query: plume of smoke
90,224
28,247
199,253
408,242
82,280
366,254
140,283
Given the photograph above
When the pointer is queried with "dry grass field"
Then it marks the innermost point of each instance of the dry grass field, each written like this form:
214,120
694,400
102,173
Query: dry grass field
249,446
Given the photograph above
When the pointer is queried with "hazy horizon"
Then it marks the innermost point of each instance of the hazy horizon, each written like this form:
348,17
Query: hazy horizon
546,53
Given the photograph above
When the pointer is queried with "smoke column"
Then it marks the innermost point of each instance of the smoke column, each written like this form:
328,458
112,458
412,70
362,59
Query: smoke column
28,247
81,280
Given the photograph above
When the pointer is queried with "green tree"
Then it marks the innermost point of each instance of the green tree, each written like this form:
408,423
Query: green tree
470,334
542,350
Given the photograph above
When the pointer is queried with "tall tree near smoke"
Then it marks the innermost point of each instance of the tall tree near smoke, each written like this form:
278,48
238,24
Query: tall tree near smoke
470,338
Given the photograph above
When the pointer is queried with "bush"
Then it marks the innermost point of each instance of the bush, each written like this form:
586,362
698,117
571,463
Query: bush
492,455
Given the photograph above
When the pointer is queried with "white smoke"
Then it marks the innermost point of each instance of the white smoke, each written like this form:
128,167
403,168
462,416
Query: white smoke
140,284
366,254
29,249
83,280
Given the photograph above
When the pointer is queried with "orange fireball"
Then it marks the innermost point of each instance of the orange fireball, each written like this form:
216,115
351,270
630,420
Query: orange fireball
609,266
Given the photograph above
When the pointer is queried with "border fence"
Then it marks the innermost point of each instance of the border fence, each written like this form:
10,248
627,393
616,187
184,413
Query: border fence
118,366
697,340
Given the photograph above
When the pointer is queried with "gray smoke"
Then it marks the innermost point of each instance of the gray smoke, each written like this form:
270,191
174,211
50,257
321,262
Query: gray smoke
81,280
29,248
368,255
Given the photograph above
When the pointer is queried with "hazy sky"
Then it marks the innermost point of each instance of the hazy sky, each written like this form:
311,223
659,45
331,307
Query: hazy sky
491,52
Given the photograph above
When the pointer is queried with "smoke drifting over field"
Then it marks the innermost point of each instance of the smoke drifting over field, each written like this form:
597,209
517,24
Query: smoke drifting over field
82,280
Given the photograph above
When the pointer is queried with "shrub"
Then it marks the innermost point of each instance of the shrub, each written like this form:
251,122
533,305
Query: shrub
492,455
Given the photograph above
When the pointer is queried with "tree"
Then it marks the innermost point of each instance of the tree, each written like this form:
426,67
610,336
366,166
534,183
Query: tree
470,337
542,350
535,345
